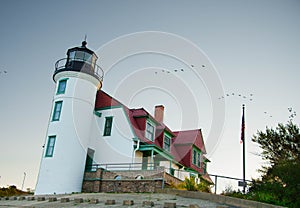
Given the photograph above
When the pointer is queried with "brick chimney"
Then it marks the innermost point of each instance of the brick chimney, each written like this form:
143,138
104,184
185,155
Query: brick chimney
159,113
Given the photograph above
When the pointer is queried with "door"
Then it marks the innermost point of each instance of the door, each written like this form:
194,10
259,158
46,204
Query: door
89,160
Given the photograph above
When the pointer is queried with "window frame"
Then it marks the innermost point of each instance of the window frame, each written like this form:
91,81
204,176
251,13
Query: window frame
56,110
147,132
196,157
59,91
108,126
167,146
47,153
204,167
194,161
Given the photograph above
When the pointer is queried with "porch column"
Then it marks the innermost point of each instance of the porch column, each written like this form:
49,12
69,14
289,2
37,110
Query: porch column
152,160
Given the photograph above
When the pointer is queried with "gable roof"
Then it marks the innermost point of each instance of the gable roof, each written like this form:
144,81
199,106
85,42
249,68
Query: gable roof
103,100
190,137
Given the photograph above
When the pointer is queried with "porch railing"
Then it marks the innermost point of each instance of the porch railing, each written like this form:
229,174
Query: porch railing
122,166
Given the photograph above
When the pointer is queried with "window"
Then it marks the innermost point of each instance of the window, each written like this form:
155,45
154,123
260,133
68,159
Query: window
194,157
50,146
149,131
87,57
79,55
57,110
72,55
197,157
107,126
61,86
204,167
167,143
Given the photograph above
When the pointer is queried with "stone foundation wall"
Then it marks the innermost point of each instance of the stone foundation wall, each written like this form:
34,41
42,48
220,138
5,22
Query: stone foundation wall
131,186
122,186
171,180
105,181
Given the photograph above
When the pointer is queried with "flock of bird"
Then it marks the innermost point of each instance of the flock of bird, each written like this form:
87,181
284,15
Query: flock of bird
292,113
250,96
176,70
244,97
267,114
168,72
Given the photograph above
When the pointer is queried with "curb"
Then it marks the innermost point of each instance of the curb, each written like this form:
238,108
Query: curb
243,203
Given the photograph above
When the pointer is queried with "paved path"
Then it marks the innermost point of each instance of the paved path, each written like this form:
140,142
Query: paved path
157,198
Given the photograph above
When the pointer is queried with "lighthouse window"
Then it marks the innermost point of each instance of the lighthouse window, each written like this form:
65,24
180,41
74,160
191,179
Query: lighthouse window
87,57
57,110
50,146
72,55
61,86
79,55
108,126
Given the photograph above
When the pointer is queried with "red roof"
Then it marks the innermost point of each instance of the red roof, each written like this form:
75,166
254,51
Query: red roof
192,137
182,141
104,100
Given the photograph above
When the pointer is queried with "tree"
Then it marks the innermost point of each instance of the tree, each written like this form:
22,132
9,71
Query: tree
279,144
280,183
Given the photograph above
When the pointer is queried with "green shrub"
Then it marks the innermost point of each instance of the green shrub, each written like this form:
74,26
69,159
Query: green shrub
189,184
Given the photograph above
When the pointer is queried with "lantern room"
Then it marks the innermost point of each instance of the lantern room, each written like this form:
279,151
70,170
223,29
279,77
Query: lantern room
80,59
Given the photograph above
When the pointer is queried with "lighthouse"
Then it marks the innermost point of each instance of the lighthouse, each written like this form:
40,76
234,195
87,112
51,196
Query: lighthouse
77,78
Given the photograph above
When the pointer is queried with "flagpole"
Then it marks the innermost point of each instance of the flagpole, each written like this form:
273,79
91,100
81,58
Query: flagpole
244,160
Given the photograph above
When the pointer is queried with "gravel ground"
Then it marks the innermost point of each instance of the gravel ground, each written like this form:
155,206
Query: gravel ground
157,198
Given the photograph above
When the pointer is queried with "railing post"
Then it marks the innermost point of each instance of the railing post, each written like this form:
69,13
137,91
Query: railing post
216,179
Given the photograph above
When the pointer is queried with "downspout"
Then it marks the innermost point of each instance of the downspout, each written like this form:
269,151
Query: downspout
134,151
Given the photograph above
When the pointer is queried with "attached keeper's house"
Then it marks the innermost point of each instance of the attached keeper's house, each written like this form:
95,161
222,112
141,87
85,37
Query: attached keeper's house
90,131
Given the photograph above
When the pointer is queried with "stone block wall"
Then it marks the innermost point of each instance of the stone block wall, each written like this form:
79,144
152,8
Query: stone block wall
131,186
105,181
171,180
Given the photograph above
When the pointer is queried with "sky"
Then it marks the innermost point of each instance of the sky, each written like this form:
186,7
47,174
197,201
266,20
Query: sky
249,50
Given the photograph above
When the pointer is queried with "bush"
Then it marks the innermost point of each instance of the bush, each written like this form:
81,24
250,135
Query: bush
11,191
189,184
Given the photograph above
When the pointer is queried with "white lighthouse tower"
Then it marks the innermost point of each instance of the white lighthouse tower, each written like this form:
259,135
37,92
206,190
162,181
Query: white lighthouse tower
77,78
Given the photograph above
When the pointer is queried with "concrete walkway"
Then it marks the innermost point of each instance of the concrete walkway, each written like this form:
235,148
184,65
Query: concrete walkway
108,200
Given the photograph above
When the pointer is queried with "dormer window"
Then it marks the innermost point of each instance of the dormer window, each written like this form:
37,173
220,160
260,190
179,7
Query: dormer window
150,130
196,157
167,142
